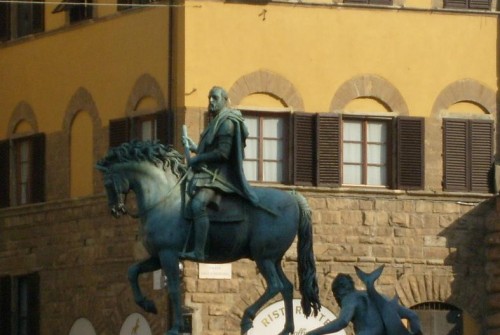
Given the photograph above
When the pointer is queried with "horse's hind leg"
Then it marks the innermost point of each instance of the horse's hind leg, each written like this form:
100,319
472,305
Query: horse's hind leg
287,293
274,286
148,265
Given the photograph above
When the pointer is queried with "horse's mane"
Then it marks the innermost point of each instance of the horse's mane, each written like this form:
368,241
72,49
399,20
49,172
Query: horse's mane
145,151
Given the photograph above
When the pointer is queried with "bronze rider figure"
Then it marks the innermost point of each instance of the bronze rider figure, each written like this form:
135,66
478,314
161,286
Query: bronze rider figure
217,166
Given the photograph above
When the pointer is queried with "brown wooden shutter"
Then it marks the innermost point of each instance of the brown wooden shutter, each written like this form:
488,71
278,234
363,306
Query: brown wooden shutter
33,294
410,153
38,17
304,149
5,305
119,131
456,164
38,168
4,173
328,150
480,4
4,21
381,2
371,2
481,155
163,123
455,3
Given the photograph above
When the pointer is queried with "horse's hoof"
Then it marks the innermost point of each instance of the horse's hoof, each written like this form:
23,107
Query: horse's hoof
288,330
246,326
149,306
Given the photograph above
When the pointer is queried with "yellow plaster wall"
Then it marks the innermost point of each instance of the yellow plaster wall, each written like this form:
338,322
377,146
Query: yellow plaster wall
317,50
105,58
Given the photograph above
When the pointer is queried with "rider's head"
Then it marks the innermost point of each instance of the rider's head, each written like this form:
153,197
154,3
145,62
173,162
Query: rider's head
217,99
341,286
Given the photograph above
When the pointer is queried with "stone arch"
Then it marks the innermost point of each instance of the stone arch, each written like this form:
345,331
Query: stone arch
253,286
413,289
264,81
465,90
81,100
145,85
369,86
22,112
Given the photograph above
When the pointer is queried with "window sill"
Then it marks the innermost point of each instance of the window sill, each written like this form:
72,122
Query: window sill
463,197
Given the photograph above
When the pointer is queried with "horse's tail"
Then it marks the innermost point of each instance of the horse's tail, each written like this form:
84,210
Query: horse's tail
308,283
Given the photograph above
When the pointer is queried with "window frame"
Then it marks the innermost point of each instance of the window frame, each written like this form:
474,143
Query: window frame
20,304
125,129
365,121
137,126
80,12
12,24
9,170
261,116
17,170
76,12
317,151
129,4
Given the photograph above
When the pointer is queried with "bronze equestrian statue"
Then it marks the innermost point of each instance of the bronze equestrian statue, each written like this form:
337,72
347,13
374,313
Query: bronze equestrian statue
239,228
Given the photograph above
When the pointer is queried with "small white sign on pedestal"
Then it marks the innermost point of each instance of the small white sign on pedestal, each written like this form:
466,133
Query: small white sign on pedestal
271,319
215,271
158,280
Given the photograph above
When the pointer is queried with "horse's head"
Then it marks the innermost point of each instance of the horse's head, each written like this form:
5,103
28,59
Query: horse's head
149,169
117,186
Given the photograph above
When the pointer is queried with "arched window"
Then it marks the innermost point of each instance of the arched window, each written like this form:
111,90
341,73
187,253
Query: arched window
467,148
81,155
438,318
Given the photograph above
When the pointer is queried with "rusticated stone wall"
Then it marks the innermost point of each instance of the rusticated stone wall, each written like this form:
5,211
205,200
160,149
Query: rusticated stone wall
432,248
493,271
82,256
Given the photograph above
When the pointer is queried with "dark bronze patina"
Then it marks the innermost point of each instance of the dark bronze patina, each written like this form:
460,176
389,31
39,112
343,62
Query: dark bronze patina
370,312
242,228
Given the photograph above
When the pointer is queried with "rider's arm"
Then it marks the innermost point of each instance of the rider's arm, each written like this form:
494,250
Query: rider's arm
224,144
346,314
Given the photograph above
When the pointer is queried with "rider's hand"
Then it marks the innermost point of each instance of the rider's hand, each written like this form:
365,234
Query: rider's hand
188,142
195,163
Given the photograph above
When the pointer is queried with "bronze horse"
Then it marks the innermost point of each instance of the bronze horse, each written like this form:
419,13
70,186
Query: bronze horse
156,173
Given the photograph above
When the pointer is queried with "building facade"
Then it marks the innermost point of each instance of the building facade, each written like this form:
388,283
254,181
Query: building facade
383,113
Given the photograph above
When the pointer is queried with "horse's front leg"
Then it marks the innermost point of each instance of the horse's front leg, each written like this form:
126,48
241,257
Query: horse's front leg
148,265
170,265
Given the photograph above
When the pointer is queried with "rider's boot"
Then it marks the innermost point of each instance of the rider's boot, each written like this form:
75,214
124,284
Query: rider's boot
201,225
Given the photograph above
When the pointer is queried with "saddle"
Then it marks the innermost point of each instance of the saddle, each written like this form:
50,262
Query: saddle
228,208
